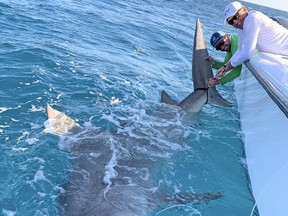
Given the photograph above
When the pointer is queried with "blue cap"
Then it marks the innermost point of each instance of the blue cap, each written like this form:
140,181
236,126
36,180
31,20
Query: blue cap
216,38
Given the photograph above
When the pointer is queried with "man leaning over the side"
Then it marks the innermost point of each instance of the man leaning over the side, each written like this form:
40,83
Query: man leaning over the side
255,31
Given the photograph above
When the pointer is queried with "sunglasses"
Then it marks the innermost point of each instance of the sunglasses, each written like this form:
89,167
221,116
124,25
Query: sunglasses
220,45
235,17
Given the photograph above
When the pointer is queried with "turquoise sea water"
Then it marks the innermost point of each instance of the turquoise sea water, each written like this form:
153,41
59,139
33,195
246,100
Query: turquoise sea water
104,63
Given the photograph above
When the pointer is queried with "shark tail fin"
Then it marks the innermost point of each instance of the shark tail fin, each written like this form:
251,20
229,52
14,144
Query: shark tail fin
215,98
59,123
165,98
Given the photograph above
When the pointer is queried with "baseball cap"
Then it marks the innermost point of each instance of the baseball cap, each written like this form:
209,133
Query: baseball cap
231,9
216,38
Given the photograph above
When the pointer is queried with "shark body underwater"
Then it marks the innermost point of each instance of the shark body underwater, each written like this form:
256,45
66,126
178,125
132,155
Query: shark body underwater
113,173
201,73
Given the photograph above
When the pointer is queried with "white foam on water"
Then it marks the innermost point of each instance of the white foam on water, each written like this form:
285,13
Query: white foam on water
39,175
144,174
94,154
23,136
3,109
110,172
35,109
4,126
41,194
32,141
115,101
20,149
7,212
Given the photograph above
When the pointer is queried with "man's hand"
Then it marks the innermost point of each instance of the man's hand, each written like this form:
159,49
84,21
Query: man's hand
213,82
221,72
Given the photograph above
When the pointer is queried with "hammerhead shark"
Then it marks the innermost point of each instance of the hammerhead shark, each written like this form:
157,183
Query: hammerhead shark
201,73
112,173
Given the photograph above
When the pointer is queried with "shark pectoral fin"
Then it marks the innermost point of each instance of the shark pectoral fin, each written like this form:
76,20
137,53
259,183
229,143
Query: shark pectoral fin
189,197
165,98
215,98
59,123
198,197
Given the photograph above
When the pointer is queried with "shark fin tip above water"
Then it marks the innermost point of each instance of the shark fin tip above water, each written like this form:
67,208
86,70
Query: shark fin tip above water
59,123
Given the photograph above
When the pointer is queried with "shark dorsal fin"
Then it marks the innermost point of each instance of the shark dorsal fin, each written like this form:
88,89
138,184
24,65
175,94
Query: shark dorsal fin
59,123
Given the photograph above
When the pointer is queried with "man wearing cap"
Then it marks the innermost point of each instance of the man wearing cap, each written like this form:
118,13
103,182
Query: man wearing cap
229,44
255,31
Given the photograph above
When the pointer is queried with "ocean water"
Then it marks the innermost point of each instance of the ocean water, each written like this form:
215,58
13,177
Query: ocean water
104,63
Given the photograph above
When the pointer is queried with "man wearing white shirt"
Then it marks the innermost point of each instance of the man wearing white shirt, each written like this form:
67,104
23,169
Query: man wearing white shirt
256,31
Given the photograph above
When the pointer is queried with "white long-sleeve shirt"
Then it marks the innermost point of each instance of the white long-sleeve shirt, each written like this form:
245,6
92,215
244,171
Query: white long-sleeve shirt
261,33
